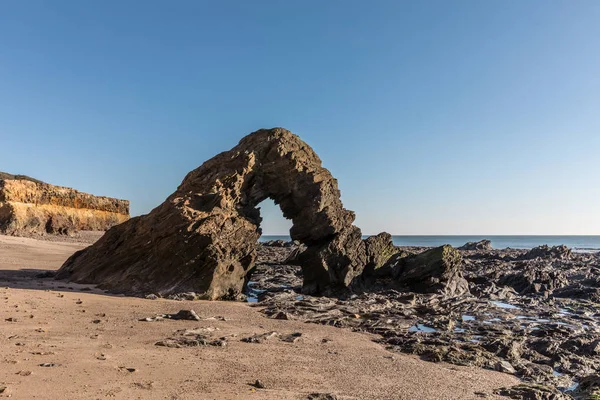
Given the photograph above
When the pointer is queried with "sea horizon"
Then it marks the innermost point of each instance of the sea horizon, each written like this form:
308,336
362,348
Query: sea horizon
589,243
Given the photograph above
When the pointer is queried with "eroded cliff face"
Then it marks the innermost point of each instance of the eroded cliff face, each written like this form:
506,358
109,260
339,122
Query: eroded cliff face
203,238
32,207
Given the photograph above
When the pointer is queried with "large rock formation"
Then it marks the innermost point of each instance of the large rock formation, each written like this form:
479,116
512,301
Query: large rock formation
28,206
203,238
436,270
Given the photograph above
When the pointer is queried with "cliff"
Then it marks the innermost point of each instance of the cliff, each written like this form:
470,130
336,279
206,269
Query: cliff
28,206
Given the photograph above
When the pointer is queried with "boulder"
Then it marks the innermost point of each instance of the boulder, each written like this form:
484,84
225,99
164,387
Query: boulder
561,252
481,245
57,224
203,238
589,387
535,279
28,206
379,250
436,270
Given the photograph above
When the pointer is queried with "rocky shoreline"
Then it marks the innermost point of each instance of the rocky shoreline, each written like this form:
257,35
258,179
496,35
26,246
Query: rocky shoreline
530,313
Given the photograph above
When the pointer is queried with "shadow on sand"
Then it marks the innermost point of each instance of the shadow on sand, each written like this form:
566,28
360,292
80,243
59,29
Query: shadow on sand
43,279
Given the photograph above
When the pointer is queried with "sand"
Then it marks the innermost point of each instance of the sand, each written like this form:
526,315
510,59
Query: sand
68,341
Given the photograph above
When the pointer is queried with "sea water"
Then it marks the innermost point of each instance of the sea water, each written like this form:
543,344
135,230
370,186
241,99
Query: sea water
578,243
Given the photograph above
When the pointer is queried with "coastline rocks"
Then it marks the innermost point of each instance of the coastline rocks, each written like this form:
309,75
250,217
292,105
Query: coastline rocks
549,341
379,250
532,392
560,252
203,238
589,387
334,265
481,245
30,207
438,270
535,280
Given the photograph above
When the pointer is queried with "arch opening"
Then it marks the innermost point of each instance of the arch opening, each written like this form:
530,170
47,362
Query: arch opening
274,269
203,238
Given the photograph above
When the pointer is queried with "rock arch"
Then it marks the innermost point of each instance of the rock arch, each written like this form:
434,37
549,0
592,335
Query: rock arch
203,238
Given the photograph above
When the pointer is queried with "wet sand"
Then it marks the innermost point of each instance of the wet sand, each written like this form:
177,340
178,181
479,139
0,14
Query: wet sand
62,340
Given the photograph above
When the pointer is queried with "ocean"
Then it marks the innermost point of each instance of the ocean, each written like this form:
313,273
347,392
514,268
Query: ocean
577,243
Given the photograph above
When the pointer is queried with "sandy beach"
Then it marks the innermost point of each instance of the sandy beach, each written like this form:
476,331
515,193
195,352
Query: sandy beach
63,340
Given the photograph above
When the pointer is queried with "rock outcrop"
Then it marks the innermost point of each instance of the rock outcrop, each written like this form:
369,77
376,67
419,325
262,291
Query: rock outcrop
203,238
437,270
545,251
481,245
28,206
380,249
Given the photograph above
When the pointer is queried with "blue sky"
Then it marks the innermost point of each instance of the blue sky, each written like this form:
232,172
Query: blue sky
437,117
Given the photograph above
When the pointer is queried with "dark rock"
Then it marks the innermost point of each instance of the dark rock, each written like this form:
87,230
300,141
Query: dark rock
435,270
532,392
335,264
185,315
321,396
275,243
258,384
379,250
535,280
260,338
203,238
560,252
294,257
183,341
481,245
589,388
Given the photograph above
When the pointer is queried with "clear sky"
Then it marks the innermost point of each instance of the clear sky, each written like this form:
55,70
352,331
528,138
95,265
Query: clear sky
437,117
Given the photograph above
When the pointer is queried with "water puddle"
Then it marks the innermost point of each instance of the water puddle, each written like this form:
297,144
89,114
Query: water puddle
421,328
505,305
476,339
252,293
491,320
468,318
564,311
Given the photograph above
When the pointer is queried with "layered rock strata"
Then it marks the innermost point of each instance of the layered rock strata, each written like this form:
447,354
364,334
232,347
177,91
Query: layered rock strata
30,207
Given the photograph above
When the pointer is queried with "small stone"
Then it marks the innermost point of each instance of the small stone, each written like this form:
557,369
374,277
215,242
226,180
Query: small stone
292,338
258,384
321,396
505,366
48,365
186,314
